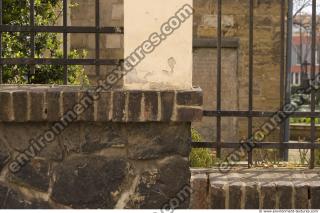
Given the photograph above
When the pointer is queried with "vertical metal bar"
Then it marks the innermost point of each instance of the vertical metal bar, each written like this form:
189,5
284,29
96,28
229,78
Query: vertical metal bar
250,104
97,8
1,67
219,35
65,41
313,76
288,68
32,40
282,74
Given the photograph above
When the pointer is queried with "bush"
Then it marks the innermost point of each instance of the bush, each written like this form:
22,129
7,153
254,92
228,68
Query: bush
200,157
48,45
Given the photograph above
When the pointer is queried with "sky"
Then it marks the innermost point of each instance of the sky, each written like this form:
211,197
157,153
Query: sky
307,9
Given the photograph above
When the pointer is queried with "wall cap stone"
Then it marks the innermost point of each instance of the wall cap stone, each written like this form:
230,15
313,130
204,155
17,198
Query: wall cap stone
38,103
255,188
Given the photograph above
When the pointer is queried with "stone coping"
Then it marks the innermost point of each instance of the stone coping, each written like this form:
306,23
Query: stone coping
256,189
36,103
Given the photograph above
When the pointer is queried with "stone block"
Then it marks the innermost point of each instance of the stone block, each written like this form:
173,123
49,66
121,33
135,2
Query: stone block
20,105
114,41
37,107
199,196
285,193
189,114
235,194
151,106
190,98
53,105
134,106
119,101
35,174
6,113
104,107
251,200
160,189
268,192
167,105
89,182
217,195
157,140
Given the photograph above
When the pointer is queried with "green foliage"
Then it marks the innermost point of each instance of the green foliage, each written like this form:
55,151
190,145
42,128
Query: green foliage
47,45
304,120
317,157
200,157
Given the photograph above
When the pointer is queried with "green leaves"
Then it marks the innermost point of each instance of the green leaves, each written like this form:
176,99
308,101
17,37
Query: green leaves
200,157
47,45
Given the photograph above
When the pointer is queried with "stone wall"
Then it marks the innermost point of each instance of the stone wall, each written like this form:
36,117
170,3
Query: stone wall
255,188
235,60
205,72
125,151
111,45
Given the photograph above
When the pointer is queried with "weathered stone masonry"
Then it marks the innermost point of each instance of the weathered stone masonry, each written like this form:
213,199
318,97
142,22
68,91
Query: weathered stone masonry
129,150
255,189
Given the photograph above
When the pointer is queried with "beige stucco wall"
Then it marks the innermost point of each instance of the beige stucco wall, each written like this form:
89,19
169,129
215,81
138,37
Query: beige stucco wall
168,62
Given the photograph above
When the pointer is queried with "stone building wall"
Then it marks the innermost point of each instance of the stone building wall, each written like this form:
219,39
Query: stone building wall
266,65
111,45
204,75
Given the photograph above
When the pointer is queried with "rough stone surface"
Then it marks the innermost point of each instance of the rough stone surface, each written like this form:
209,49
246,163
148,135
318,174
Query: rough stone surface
119,102
190,98
89,181
301,200
257,188
314,195
167,99
234,194
13,199
35,174
156,141
20,103
151,106
267,195
251,200
5,109
199,195
76,104
217,195
156,188
102,136
285,191
20,136
126,151
4,155
37,108
134,106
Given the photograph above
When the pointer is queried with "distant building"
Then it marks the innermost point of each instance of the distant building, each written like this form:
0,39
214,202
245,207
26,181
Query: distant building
301,51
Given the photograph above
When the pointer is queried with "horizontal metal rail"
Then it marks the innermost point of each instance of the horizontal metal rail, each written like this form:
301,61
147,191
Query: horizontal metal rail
52,61
259,114
60,29
260,145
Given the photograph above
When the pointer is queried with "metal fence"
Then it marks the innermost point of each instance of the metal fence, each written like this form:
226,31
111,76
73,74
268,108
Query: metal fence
65,30
286,39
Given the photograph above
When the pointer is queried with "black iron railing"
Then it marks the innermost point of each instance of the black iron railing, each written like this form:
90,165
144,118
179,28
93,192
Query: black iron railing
285,70
65,30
